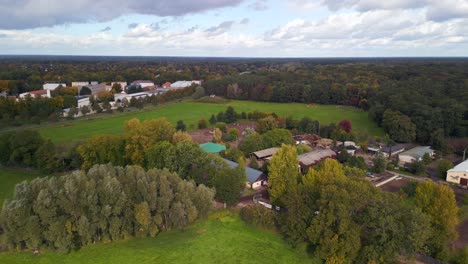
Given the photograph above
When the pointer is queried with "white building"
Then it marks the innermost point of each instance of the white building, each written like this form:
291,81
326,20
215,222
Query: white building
143,83
184,84
37,93
459,174
79,84
415,154
53,86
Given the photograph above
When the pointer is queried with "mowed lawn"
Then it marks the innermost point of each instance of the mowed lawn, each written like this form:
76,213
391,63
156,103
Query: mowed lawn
190,112
223,238
10,177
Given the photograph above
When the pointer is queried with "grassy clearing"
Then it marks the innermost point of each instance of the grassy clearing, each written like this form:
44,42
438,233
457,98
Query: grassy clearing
190,112
223,238
10,177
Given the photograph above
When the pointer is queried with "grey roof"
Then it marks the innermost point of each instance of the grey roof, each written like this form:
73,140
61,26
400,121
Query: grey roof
462,167
417,152
252,175
315,156
394,149
265,153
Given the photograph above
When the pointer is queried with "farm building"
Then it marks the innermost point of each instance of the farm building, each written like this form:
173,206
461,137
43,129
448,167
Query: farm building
415,154
37,93
52,86
211,147
392,150
143,83
265,153
312,158
79,84
166,85
459,174
254,178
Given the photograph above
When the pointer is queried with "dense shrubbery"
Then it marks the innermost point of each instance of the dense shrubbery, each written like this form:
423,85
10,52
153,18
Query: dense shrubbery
259,216
106,204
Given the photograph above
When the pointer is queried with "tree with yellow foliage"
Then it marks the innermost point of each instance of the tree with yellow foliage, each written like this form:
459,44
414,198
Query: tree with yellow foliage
438,201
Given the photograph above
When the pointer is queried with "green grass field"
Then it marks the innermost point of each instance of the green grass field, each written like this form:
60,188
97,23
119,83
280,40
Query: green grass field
10,177
223,238
190,112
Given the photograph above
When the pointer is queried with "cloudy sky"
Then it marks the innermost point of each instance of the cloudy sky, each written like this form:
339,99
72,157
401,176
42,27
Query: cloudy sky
239,28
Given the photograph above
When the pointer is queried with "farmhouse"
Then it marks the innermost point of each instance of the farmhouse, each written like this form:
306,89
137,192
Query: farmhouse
211,147
254,178
166,85
52,86
459,174
415,154
312,158
37,93
265,153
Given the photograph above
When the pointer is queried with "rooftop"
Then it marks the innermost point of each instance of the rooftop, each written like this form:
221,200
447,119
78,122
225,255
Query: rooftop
418,152
265,153
393,149
38,92
315,156
211,147
462,167
252,175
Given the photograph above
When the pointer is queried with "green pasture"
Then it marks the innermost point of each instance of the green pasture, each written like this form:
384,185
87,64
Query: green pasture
223,238
10,177
190,112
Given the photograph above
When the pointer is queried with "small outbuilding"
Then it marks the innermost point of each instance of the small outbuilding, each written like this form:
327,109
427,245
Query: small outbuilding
211,147
459,174
265,153
254,178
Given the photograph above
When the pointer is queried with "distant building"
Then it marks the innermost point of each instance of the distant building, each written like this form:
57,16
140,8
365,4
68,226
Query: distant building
184,84
314,157
37,93
79,84
143,83
166,85
265,153
459,174
96,88
415,154
53,86
254,178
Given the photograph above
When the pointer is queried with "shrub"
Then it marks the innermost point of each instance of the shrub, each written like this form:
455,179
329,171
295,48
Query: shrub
259,216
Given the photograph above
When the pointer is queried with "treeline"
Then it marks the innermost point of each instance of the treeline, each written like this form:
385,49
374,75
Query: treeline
344,219
425,110
29,149
105,204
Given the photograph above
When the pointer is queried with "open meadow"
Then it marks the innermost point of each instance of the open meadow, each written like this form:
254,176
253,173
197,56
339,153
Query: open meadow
190,112
223,238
